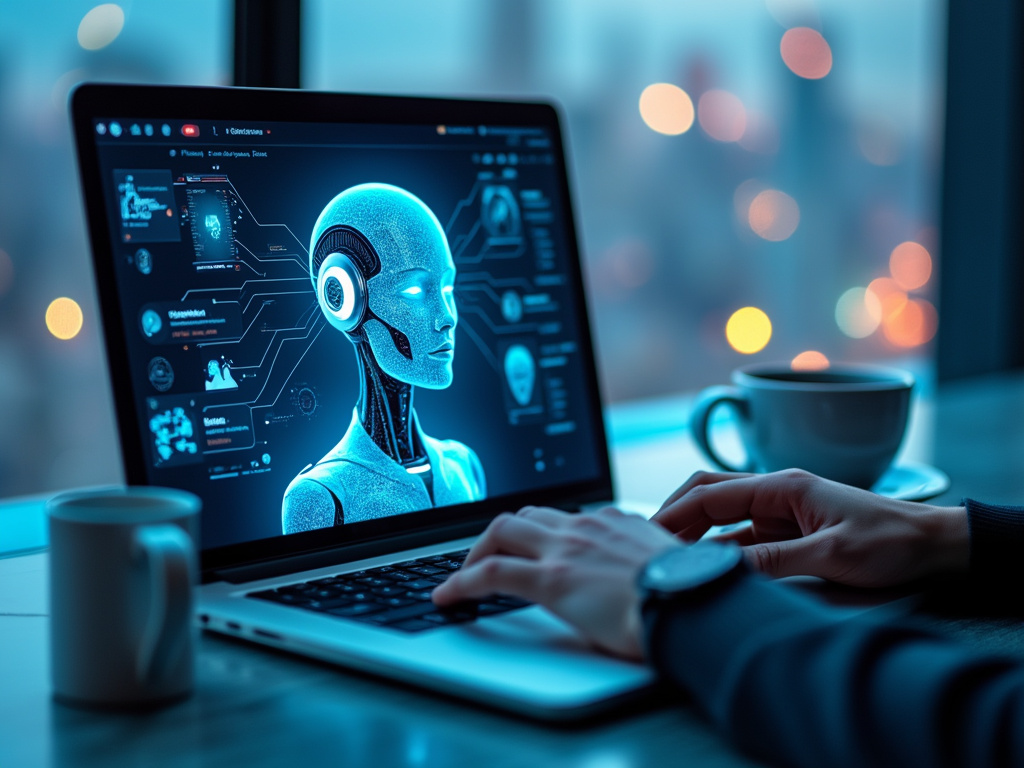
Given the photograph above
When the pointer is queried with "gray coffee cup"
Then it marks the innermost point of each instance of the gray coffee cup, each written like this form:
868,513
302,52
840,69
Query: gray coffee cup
122,573
845,423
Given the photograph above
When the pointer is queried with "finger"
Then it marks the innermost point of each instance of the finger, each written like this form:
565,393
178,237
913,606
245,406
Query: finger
553,518
700,478
692,532
713,503
794,557
744,536
496,574
510,535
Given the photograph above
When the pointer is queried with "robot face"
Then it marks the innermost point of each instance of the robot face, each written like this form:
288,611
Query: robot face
414,293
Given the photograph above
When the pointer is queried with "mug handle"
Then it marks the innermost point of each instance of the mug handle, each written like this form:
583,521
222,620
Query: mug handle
700,415
171,561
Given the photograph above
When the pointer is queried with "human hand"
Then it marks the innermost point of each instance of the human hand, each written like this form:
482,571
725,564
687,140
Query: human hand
582,567
805,525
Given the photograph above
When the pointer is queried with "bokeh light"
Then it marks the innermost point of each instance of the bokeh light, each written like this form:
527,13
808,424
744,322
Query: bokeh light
811,360
892,297
773,215
910,265
722,115
100,26
858,312
748,330
806,53
666,108
913,325
6,272
64,318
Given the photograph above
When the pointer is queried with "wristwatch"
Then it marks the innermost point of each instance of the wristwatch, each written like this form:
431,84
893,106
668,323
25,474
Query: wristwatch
686,575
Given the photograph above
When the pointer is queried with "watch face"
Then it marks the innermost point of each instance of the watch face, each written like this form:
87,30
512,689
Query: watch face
681,569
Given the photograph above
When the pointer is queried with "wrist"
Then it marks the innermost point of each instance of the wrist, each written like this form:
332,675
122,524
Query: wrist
949,540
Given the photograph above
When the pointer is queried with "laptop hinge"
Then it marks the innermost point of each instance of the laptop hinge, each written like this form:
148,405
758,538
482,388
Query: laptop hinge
322,558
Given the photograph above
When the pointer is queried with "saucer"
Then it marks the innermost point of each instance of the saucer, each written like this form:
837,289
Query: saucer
912,482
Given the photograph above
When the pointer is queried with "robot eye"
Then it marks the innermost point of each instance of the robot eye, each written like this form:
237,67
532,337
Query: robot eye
413,290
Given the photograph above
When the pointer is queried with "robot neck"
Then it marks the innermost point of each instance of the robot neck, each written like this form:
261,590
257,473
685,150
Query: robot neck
386,412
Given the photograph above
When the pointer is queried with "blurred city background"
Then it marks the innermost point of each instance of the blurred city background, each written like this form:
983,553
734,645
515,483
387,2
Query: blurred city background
754,179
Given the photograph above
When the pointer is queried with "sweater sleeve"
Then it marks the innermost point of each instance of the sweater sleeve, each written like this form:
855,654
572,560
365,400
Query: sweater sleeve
800,683
997,539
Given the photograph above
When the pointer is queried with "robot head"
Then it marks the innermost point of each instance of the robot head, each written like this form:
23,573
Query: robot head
383,273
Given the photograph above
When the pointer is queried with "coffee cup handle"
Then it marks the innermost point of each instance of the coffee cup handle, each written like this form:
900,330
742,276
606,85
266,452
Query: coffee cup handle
171,565
707,401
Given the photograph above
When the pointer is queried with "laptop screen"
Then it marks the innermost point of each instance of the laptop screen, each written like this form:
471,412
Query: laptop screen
332,318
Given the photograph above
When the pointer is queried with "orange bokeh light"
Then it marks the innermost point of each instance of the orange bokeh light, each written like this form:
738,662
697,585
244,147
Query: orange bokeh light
913,325
889,294
722,115
806,53
773,215
910,265
811,360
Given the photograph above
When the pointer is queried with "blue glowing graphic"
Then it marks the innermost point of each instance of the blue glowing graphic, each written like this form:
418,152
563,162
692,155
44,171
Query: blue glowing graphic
218,375
500,211
160,373
151,322
383,272
520,373
172,434
144,261
511,306
134,207
213,225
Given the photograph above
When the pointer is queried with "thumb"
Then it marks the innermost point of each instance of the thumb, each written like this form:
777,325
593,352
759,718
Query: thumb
794,557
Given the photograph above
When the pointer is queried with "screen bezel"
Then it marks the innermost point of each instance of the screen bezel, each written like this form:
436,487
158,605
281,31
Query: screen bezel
90,102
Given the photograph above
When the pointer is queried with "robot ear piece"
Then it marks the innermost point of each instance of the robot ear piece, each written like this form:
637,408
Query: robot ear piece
341,292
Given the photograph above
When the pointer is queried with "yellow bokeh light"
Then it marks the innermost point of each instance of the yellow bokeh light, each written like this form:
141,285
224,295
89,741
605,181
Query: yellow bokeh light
64,318
811,360
910,265
667,109
722,115
858,312
913,325
806,53
748,330
100,26
773,215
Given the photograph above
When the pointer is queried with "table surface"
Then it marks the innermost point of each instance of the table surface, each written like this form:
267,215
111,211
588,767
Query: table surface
258,707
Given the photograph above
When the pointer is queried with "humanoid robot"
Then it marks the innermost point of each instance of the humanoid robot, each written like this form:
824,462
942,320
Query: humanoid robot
384,276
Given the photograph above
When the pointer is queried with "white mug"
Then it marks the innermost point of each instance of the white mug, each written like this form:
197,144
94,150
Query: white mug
122,573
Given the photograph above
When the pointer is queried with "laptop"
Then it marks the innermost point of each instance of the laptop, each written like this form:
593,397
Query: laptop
355,327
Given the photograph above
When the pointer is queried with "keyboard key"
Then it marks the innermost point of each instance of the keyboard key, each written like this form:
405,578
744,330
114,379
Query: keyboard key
358,609
424,570
420,584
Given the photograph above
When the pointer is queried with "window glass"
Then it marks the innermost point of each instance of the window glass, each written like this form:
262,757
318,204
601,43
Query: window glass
756,179
56,425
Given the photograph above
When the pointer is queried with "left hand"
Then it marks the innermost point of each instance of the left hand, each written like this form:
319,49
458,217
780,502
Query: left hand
582,567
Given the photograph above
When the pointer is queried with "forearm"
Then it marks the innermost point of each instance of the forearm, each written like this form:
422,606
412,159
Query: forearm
800,683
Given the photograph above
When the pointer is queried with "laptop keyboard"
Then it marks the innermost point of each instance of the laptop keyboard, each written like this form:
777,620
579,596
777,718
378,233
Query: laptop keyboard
394,596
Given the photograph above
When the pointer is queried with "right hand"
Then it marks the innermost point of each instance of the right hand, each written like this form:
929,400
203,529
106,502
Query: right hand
802,524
